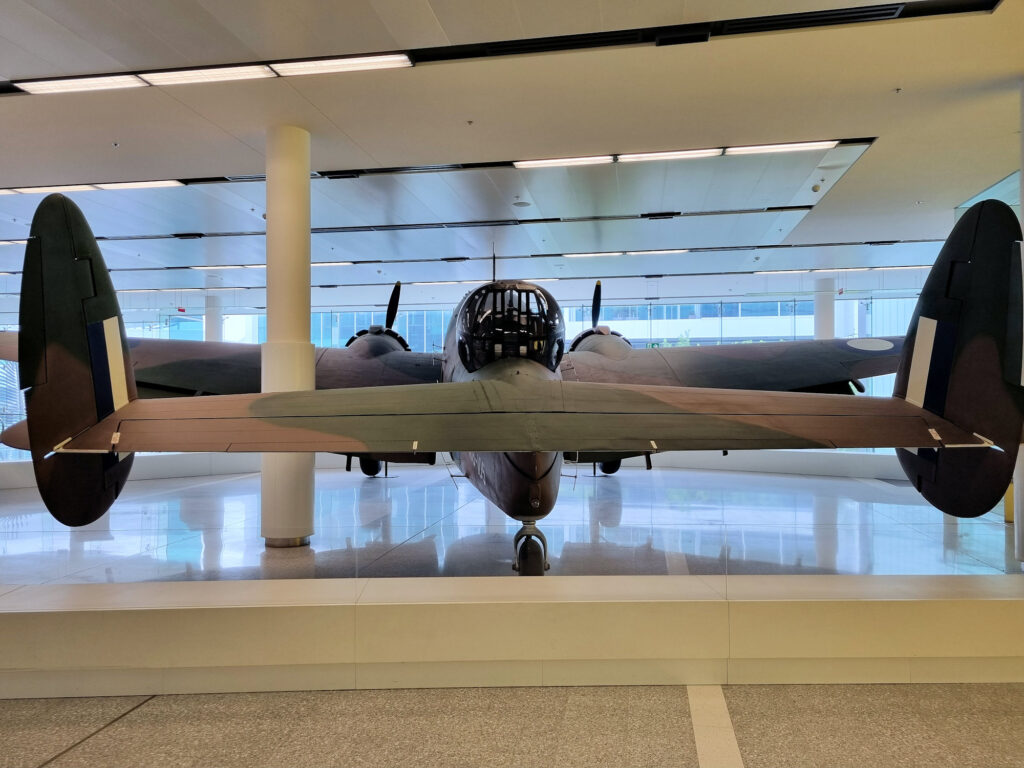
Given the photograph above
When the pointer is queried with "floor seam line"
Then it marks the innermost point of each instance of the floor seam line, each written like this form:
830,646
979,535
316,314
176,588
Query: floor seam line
98,730
714,735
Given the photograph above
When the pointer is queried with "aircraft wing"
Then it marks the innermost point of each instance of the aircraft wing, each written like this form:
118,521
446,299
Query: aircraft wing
9,345
168,367
811,365
530,415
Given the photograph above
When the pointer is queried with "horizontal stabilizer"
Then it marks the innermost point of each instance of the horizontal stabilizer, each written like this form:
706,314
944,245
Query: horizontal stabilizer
530,415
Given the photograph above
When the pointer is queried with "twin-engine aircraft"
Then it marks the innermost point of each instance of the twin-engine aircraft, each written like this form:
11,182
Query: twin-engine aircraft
508,400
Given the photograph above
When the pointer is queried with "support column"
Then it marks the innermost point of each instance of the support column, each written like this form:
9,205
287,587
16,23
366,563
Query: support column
213,320
286,513
825,308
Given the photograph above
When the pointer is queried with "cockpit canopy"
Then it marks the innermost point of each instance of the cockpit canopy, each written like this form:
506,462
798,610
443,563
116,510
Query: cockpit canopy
510,318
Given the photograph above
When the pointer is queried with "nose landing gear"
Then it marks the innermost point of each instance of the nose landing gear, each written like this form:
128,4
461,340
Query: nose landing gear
531,551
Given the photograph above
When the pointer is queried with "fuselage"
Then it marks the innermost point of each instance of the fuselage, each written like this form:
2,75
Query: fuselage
508,331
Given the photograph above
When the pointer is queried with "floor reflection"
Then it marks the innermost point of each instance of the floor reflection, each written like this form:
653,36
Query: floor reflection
422,522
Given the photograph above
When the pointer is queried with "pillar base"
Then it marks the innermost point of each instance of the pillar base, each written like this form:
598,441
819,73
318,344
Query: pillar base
294,541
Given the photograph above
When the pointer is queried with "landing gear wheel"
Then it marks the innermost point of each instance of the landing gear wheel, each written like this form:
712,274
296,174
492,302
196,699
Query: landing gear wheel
531,551
369,466
530,558
610,467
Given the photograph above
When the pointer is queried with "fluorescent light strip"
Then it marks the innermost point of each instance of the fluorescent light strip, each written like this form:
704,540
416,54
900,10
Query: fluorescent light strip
254,266
49,190
683,154
438,282
884,269
9,192
783,272
799,146
587,255
212,75
141,184
565,161
348,64
657,253
78,84
13,242
843,269
332,264
222,266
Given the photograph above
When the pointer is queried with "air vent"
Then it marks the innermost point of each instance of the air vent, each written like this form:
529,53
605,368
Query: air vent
812,19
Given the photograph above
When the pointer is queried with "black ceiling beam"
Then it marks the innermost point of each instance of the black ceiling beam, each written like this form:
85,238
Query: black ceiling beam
679,34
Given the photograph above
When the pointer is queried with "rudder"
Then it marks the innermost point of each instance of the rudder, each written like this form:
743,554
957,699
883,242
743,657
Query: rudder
963,344
73,361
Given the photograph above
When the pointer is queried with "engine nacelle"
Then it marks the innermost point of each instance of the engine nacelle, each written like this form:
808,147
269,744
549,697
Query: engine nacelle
376,341
602,340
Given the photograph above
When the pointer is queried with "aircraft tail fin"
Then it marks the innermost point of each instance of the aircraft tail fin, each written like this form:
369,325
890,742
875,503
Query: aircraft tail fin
962,360
73,361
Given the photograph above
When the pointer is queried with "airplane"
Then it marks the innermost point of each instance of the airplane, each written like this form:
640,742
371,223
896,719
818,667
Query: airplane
511,402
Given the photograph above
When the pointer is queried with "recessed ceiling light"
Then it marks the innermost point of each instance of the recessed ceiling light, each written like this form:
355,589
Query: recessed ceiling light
564,161
683,154
49,190
212,75
347,64
76,84
799,146
141,184
783,272
586,255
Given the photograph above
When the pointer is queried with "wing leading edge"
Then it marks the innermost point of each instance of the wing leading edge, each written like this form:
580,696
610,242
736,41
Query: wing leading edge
529,415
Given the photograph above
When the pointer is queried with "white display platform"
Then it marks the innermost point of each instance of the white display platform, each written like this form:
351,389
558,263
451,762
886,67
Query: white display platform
118,639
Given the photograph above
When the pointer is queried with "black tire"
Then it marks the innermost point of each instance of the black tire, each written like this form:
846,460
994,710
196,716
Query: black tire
531,557
369,466
610,467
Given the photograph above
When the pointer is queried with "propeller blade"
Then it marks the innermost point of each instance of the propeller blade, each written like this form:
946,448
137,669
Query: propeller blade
393,305
595,306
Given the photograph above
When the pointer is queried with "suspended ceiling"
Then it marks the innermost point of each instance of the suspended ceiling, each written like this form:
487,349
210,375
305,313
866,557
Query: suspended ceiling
939,96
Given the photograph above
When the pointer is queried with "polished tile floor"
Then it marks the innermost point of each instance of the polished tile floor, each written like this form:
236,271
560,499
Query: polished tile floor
422,522
806,726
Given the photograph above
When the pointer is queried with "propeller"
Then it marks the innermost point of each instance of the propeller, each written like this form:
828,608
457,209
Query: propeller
595,306
393,305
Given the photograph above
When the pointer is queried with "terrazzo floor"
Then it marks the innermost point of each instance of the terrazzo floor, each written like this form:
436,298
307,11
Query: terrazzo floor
881,726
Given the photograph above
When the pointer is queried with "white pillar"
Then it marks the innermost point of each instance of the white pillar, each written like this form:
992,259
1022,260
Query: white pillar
286,515
213,320
825,308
